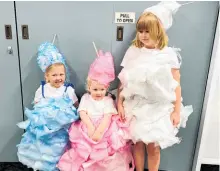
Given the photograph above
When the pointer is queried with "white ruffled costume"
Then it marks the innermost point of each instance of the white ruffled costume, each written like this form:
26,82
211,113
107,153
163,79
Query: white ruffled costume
149,92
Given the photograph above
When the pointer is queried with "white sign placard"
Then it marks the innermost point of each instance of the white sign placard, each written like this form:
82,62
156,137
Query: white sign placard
124,17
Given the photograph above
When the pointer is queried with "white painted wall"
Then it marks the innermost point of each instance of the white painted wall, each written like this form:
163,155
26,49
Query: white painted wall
208,144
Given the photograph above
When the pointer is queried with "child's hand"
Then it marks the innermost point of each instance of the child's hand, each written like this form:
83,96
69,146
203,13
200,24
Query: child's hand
91,131
175,118
121,112
96,136
76,104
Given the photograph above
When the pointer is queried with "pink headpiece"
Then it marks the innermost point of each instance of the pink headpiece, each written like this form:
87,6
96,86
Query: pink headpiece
102,69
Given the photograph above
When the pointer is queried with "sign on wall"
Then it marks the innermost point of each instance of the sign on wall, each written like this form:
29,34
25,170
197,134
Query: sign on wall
124,17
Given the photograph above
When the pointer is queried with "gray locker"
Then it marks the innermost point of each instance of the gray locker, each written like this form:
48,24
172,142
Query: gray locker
10,89
77,24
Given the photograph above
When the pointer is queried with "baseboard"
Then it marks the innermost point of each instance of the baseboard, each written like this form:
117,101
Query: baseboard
13,166
16,166
147,170
209,167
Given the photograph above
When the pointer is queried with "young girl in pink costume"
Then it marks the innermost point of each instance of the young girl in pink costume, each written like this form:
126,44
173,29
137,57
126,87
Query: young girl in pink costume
99,142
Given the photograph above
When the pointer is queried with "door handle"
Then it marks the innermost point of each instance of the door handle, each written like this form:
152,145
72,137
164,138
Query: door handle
8,32
24,30
120,30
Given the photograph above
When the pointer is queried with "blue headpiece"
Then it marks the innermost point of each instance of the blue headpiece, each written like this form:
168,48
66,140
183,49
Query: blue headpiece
48,54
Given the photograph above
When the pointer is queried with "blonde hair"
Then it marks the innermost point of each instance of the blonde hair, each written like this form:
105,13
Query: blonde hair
50,68
89,82
151,23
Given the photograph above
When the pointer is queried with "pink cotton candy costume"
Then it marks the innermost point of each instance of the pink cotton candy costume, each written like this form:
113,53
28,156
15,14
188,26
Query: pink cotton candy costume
112,152
102,69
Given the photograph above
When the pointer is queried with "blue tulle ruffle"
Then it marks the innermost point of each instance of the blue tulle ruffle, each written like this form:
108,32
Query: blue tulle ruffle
46,136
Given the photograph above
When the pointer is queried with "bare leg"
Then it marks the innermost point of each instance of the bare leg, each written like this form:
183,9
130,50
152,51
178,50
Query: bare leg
139,156
153,157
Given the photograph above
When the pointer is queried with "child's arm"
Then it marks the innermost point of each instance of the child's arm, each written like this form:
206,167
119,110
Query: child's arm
100,130
120,98
109,110
120,103
72,95
38,95
86,120
130,54
175,116
177,103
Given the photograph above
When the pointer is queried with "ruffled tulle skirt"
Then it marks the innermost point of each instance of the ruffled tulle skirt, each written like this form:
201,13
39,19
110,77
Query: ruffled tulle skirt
111,153
149,92
151,123
46,137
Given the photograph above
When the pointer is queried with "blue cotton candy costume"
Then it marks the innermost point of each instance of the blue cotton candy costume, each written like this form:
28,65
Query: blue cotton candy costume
46,129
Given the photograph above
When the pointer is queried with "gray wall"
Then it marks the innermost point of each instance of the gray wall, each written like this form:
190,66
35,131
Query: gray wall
77,24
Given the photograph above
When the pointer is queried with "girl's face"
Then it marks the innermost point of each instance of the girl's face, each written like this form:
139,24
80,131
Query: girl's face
147,41
97,90
56,76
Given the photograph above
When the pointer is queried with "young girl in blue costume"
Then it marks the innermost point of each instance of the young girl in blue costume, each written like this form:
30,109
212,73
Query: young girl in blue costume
55,102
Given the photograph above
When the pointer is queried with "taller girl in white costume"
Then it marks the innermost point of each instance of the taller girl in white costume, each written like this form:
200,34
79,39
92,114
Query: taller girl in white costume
150,92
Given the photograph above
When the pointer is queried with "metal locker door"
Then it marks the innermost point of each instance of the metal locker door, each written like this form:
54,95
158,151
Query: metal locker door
10,89
193,31
76,24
